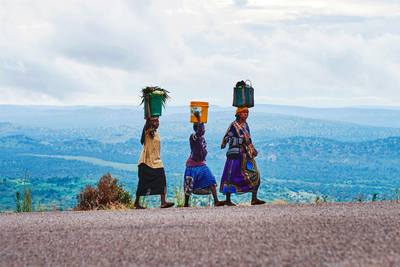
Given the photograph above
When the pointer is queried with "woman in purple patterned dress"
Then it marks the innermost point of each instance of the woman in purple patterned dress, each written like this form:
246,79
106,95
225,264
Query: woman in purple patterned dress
240,174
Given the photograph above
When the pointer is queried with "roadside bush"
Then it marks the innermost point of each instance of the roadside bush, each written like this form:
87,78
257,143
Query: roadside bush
24,202
109,193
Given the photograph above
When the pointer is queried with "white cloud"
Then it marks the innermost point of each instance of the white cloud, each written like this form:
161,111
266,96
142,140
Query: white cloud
302,52
376,99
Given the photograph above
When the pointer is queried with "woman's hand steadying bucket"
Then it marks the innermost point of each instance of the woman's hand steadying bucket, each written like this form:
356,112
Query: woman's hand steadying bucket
197,115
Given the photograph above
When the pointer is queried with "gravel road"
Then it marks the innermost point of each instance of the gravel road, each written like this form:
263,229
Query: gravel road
331,234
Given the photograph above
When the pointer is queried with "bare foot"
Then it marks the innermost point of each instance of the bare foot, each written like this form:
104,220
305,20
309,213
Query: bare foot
220,203
230,203
258,202
138,207
167,205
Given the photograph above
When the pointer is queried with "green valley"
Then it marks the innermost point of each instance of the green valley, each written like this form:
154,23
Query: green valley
299,158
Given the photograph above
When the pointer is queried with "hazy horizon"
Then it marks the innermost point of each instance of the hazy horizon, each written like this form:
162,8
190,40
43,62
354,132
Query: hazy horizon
116,105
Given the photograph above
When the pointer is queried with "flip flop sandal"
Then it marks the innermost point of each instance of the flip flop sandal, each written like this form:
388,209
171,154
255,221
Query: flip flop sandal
169,204
258,202
220,204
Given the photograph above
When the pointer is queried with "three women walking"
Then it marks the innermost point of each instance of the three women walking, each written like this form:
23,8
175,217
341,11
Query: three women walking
240,174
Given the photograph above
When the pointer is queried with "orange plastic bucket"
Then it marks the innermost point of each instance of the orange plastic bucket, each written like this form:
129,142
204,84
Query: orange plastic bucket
202,108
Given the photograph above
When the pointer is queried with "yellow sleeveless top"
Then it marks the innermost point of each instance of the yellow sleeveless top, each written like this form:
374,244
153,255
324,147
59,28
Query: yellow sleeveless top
151,151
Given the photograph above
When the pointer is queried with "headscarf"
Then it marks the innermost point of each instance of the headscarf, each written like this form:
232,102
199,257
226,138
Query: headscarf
153,118
240,109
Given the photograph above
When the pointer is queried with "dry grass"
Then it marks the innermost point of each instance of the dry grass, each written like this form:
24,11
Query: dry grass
279,201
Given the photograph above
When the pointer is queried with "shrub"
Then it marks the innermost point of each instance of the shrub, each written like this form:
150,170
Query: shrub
87,199
108,192
24,202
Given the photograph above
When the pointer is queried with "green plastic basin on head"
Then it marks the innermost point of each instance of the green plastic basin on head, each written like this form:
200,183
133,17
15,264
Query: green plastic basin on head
155,102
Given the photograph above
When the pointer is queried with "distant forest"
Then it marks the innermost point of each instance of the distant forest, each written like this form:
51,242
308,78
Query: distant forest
298,158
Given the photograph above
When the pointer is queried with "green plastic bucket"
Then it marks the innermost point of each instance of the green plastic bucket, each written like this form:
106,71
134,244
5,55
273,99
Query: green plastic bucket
155,102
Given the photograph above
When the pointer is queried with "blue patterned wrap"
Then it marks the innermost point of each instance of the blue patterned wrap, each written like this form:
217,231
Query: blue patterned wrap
198,177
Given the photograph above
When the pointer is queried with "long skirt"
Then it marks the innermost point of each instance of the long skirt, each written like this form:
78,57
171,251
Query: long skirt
151,181
244,176
198,180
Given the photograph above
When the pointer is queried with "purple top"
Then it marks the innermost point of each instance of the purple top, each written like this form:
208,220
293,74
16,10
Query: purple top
193,163
198,148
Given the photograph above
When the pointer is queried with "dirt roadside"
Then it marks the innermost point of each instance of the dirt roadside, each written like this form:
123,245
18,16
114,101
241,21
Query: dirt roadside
332,234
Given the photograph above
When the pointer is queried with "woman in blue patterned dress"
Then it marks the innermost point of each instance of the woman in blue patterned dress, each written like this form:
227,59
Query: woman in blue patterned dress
198,177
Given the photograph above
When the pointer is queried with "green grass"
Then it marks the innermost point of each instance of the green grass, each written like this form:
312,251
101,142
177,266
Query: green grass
45,194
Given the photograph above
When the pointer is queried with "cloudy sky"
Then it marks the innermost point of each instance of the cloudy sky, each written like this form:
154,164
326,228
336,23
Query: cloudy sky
316,53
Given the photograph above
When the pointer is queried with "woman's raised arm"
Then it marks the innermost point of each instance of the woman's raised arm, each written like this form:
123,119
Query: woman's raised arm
148,115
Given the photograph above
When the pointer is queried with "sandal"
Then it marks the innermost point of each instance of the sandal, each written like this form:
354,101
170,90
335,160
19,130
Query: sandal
220,203
258,202
167,205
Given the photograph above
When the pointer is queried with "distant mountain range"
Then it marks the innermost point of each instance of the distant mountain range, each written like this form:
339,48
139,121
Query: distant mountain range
87,117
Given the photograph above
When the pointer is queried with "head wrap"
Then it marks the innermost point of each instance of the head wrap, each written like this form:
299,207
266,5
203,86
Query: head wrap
153,118
238,110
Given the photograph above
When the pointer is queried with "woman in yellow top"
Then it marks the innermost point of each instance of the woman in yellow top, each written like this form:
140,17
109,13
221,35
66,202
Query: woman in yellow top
151,173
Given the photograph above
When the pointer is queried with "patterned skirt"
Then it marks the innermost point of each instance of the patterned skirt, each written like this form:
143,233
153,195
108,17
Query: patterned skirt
198,180
244,176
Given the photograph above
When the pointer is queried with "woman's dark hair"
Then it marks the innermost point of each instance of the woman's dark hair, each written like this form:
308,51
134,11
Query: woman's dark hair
196,126
237,117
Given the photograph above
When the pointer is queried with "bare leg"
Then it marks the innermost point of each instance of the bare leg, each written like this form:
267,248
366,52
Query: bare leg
165,204
136,204
214,193
255,200
215,196
253,196
187,201
163,200
228,200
